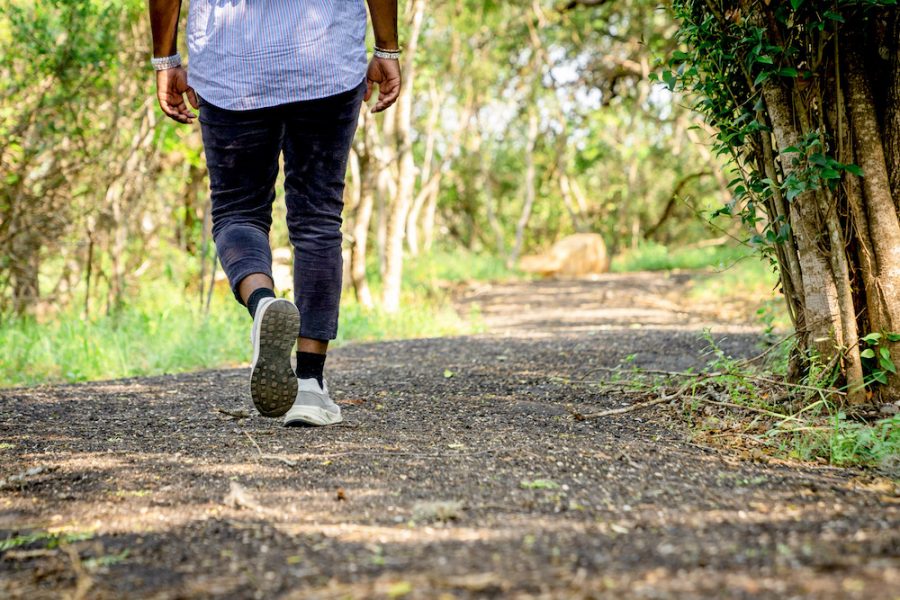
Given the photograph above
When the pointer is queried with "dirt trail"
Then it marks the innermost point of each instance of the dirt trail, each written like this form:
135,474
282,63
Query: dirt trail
458,473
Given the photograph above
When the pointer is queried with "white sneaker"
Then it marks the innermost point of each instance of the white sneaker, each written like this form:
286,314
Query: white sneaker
273,384
313,406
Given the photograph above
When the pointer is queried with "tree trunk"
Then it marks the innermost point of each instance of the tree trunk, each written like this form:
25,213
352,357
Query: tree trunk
431,128
530,191
367,187
24,268
820,303
396,224
892,114
428,219
881,212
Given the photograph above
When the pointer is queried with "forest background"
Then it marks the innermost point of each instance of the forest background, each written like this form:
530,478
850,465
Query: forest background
519,124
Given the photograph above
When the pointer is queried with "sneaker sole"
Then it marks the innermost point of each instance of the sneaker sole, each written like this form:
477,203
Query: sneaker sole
273,384
311,416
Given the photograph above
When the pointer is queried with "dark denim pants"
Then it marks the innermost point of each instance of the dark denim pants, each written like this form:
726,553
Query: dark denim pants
242,150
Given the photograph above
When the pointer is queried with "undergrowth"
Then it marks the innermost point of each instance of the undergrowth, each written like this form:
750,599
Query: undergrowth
160,328
747,406
651,256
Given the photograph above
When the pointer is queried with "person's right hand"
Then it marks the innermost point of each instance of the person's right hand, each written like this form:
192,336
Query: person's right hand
171,86
385,73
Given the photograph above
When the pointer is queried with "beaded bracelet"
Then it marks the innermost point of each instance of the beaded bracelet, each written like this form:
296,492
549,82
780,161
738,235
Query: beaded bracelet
166,62
388,54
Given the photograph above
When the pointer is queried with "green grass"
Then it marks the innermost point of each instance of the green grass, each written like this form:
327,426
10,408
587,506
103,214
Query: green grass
160,330
820,431
145,337
445,266
655,257
845,442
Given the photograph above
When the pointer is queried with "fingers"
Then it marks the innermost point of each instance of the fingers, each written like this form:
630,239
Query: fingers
369,85
388,92
177,111
171,85
192,98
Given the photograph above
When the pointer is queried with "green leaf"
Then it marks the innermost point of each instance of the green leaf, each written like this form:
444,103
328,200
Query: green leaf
867,353
871,338
539,484
885,353
448,373
854,169
880,377
795,4
762,77
887,365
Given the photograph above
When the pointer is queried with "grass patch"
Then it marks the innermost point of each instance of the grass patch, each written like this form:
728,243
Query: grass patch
803,423
745,406
143,338
651,256
454,266
161,330
44,539
734,278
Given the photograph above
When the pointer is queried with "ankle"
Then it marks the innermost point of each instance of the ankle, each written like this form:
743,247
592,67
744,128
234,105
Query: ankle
311,366
255,297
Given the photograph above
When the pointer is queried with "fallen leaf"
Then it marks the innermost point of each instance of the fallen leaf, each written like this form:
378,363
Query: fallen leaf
399,589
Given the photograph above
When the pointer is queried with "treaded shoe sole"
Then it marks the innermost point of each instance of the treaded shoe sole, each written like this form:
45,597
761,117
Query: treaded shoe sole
273,384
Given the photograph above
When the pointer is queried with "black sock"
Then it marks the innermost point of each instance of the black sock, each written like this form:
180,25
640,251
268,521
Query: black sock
257,295
310,366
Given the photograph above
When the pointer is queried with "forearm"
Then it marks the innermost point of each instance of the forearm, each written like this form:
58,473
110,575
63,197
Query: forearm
164,24
384,23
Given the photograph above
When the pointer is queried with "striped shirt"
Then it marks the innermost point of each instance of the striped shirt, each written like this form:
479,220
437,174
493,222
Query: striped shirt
247,54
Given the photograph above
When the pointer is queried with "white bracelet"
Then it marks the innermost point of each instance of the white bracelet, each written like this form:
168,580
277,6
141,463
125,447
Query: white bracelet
166,62
388,54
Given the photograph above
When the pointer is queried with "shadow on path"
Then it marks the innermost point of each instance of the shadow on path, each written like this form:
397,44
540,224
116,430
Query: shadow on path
471,485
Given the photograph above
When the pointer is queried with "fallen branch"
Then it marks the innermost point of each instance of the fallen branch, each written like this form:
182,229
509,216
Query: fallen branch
761,411
237,414
621,411
287,461
627,409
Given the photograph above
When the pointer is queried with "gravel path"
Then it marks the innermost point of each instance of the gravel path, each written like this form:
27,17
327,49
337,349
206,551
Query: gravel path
459,472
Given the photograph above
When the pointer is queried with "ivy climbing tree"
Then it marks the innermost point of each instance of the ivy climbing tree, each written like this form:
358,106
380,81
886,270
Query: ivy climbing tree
804,96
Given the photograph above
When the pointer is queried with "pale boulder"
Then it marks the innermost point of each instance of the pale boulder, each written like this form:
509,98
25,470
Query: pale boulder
573,256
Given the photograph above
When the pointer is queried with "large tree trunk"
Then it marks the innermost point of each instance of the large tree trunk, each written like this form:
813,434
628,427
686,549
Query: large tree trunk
892,112
820,303
832,98
881,212
396,224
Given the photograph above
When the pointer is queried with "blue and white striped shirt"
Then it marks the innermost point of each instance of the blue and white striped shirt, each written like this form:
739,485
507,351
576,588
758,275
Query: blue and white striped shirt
246,54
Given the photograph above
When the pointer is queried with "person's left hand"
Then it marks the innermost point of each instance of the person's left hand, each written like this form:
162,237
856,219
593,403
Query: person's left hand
386,73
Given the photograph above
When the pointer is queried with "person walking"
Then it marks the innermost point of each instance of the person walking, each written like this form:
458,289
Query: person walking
273,77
